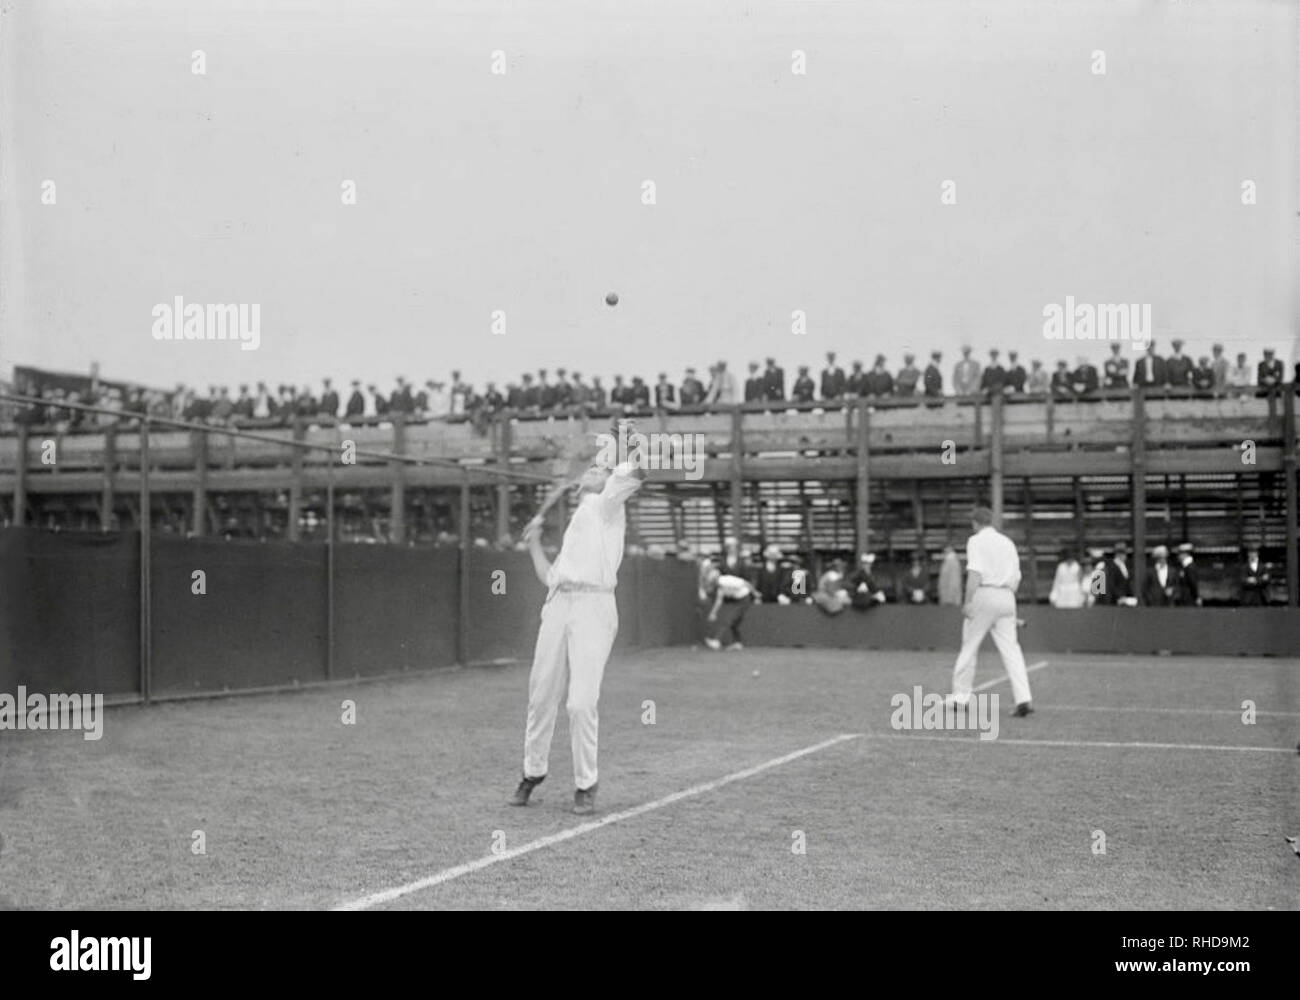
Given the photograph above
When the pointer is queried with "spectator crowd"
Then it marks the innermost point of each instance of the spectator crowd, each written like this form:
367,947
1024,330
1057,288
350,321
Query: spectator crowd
565,392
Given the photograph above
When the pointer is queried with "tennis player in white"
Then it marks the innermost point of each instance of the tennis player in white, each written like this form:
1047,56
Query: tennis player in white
579,623
992,576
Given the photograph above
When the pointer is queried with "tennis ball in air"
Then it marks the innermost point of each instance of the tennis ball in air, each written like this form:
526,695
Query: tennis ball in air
611,299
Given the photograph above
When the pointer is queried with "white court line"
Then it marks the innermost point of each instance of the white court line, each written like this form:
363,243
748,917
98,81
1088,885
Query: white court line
1000,680
447,874
1084,743
1170,711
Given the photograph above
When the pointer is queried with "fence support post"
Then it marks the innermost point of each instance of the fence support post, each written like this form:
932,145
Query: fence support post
146,569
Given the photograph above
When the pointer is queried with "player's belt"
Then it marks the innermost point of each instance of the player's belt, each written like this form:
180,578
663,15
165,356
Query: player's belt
996,586
581,588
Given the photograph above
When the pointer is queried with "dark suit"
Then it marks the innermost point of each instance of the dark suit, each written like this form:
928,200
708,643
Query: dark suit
856,383
932,379
1084,380
692,392
774,383
832,383
879,383
1156,596
1016,378
1118,582
1178,370
1269,373
1189,589
993,379
803,389
1116,370
1254,584
755,387
772,582
1150,371
859,577
664,395
1061,384
329,403
909,582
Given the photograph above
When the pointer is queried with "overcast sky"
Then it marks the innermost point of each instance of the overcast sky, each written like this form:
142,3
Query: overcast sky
522,192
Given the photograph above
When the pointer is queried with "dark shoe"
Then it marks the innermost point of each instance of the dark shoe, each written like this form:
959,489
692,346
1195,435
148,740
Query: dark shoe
584,801
525,789
1023,709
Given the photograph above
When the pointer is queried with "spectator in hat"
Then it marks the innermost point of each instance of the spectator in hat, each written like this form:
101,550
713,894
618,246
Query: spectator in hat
1062,386
640,393
773,381
1162,580
722,392
856,384
1040,381
1189,590
693,390
914,586
1151,372
1270,371
328,408
1253,579
1240,375
994,378
932,377
1178,367
966,374
1221,369
1083,380
772,581
1203,376
879,382
755,385
1067,586
803,390
832,381
832,593
864,591
1115,369
1016,375
1117,585
665,394
909,376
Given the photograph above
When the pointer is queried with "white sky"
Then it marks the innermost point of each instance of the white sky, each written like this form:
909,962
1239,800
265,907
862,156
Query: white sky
776,192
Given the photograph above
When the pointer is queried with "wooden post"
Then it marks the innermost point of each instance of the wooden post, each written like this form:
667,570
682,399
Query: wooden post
1080,519
199,443
1292,509
146,570
295,487
995,459
738,475
20,478
503,487
462,621
397,501
106,490
1029,540
329,567
863,494
1138,483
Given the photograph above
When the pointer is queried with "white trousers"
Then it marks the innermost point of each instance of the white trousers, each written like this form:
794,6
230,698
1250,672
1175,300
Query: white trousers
993,610
573,643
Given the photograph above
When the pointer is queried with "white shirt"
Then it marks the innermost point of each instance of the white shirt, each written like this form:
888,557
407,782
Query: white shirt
993,556
734,588
1068,589
592,550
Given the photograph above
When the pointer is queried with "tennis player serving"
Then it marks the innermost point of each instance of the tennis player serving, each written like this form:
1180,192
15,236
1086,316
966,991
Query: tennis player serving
579,623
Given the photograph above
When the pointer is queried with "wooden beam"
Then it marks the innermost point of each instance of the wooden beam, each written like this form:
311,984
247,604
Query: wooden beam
995,457
862,467
1292,507
1138,486
199,522
20,477
738,475
146,569
106,493
295,485
397,470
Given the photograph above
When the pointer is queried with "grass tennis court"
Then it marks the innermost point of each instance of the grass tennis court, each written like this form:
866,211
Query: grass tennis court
299,810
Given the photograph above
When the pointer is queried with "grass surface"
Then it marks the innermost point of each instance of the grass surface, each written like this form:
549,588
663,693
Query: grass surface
299,810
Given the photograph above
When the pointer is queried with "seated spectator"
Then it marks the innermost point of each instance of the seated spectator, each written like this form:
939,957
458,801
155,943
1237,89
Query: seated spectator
994,378
755,387
1016,375
951,584
914,586
1115,370
1271,372
773,577
1253,579
855,384
665,394
774,381
1083,380
1162,581
864,591
1062,387
832,594
879,383
1178,367
692,393
1067,588
1189,589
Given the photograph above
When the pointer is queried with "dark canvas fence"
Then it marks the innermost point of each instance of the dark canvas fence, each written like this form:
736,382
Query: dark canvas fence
70,611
